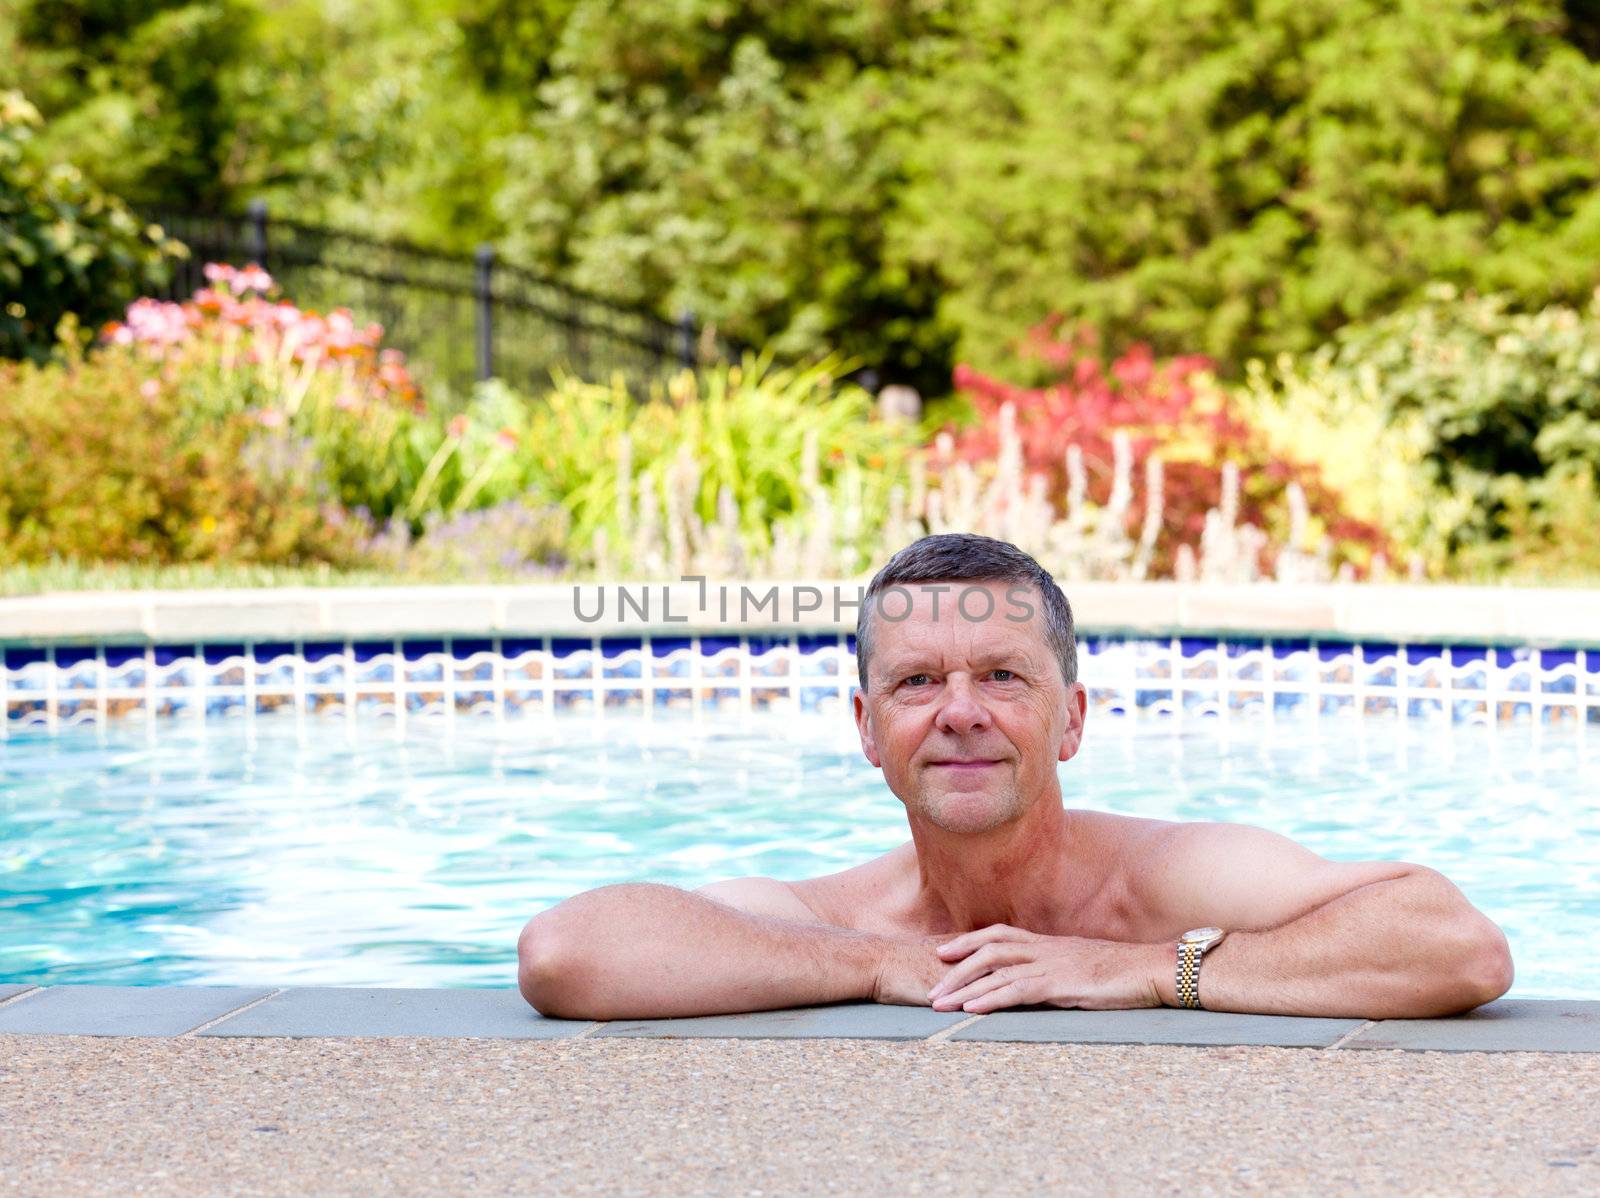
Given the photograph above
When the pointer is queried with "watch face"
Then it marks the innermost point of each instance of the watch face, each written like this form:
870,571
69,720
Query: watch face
1201,934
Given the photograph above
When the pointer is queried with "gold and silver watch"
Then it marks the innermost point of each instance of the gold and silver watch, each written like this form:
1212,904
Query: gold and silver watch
1191,947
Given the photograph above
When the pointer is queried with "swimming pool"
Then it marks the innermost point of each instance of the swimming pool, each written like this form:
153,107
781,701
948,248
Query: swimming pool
326,852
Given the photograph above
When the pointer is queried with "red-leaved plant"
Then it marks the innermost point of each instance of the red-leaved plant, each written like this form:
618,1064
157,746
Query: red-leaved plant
1172,408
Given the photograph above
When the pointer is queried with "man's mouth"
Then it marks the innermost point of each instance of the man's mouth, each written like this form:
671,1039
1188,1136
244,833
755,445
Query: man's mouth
965,763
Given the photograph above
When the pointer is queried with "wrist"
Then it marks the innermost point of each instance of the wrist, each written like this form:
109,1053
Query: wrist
1162,973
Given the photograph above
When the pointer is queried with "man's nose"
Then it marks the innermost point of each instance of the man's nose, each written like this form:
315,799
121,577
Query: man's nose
962,710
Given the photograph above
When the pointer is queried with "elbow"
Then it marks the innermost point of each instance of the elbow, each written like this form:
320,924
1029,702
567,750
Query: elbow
547,968
1491,972
1485,970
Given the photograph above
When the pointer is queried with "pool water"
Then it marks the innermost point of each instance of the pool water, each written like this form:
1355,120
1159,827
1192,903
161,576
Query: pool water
327,853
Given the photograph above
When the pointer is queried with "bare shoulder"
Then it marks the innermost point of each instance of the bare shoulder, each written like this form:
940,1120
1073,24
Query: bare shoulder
865,897
1239,876
761,896
850,898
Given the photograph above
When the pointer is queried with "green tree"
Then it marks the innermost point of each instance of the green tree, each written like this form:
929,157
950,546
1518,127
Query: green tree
1244,178
65,246
741,161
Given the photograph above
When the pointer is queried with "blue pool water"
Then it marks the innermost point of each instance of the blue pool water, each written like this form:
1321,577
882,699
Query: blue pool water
333,854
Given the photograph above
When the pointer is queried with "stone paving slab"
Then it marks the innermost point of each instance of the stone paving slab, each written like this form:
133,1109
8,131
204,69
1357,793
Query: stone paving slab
124,1010
1163,1025
1535,1025
320,1011
854,1021
1507,1025
1427,613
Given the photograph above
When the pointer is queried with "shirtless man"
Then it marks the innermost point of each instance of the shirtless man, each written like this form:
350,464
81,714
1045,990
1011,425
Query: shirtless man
1004,896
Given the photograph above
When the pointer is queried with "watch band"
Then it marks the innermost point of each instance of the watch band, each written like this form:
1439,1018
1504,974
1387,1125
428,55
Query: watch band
1192,948
1189,956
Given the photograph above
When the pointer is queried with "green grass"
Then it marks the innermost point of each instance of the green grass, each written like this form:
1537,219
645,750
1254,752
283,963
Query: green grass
129,576
56,577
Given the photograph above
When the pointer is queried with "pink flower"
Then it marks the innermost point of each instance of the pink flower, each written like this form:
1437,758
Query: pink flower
269,418
458,427
506,438
251,278
149,388
348,401
218,272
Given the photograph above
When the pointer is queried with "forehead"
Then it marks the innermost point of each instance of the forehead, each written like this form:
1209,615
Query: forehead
957,620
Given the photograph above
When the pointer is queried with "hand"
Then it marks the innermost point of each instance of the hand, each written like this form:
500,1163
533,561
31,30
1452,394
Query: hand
1001,966
907,967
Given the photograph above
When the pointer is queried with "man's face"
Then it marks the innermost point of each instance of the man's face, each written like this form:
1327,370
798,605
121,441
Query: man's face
966,717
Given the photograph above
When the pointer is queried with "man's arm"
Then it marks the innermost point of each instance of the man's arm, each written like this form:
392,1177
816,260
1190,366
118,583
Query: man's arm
643,951
1307,936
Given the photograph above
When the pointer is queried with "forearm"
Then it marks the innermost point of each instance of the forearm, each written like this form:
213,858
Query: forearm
1407,948
642,951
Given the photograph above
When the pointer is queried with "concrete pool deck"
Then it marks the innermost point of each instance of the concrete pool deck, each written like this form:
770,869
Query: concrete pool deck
230,1012
196,1115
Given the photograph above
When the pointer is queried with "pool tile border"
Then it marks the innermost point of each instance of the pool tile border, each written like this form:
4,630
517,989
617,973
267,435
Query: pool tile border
1509,1025
57,686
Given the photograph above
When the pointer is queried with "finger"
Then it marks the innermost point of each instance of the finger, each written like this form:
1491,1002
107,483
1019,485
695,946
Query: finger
990,956
977,987
1016,993
968,941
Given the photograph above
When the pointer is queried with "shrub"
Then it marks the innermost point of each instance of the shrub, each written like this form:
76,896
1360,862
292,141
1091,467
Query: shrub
1473,426
100,460
1166,409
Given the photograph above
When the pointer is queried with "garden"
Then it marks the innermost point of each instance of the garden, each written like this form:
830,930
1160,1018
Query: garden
1357,339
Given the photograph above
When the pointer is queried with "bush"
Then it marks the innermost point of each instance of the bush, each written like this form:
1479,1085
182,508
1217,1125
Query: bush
1167,409
101,461
65,246
1478,427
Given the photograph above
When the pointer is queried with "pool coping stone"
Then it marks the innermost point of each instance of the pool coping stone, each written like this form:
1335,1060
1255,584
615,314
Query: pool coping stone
304,1011
1430,613
124,1010
1163,1025
1507,1025
850,1021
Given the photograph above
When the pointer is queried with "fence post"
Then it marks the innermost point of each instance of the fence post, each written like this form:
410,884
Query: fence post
688,353
258,232
483,290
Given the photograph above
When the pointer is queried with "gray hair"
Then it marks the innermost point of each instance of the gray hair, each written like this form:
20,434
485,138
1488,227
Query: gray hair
967,557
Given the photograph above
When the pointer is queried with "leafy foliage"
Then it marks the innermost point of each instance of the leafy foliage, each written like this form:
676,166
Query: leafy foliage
1244,180
907,181
1495,413
65,246
1170,408
100,461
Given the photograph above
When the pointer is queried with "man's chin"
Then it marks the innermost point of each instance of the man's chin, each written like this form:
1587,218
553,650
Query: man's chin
968,811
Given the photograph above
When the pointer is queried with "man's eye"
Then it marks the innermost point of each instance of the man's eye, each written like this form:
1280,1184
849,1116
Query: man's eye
1002,675
916,680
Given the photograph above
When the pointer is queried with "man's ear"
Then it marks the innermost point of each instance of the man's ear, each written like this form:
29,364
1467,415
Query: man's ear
1077,712
869,744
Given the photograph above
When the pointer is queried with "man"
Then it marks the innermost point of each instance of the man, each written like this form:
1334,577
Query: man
1004,897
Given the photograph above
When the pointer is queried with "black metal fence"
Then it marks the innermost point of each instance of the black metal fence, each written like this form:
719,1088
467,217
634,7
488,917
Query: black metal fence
457,318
